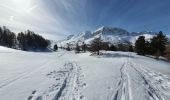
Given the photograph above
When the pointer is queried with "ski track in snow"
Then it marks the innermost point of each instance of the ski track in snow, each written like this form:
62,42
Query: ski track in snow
136,82
155,85
68,84
123,87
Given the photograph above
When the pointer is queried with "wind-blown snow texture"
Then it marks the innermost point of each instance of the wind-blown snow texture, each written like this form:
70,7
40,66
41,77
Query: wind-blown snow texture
68,76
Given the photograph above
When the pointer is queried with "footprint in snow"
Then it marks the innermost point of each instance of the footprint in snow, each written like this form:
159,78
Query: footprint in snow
30,97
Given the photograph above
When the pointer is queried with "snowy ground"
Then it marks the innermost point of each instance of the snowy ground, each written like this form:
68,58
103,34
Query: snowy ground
68,76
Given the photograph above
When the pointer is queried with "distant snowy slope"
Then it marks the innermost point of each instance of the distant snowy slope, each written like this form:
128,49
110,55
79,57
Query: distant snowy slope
5,49
107,34
81,37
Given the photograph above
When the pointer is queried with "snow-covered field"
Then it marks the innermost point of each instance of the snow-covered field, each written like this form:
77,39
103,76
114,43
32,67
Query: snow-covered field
68,76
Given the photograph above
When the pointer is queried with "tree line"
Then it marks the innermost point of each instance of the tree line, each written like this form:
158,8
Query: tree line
95,46
27,40
156,46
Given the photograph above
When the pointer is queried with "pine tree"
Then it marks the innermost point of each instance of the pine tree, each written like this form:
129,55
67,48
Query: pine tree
22,41
96,45
1,33
5,36
84,47
12,40
159,44
140,45
123,47
77,49
105,46
149,48
68,47
113,48
131,48
55,47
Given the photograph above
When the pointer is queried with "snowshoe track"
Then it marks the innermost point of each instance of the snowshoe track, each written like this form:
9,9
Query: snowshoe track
68,84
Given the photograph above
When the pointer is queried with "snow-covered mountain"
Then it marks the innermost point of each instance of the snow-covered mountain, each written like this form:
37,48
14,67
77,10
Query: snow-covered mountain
72,39
107,34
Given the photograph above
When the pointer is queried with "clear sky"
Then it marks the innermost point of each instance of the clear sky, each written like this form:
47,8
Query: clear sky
59,18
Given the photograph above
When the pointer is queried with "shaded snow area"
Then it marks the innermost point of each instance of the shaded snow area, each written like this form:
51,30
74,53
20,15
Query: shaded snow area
65,75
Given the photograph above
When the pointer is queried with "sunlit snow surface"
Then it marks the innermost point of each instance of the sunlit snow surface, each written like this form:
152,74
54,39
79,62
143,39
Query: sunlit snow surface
65,75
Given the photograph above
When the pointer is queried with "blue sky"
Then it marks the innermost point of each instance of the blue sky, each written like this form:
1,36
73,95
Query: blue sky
59,18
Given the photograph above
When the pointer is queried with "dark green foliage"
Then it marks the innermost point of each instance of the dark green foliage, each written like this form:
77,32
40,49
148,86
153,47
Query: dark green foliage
123,47
158,44
156,47
55,47
25,41
22,41
68,47
30,40
131,48
96,45
84,47
113,48
105,46
140,45
7,38
1,32
167,52
77,49
148,48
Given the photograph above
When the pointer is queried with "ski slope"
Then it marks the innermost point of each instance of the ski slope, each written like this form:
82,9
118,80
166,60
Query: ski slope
65,75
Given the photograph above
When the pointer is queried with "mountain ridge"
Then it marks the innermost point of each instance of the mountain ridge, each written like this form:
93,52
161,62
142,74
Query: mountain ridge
112,35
